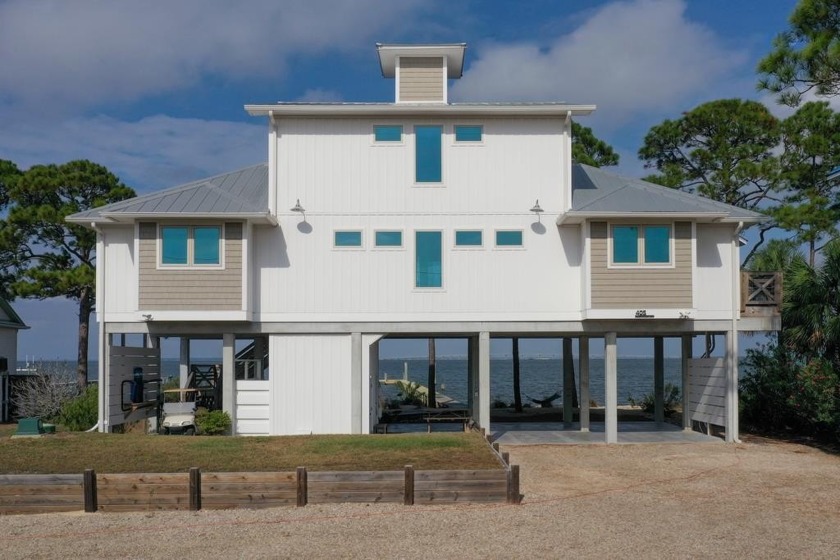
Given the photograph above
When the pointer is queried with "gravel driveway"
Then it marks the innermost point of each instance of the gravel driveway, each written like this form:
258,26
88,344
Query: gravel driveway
760,499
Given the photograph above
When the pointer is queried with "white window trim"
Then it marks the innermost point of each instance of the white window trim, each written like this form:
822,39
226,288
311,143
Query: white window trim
456,247
387,143
443,267
400,247
641,248
443,134
467,143
190,248
497,247
360,247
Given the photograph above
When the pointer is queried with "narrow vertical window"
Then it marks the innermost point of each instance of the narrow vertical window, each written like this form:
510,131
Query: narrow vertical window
657,244
429,259
174,241
428,153
625,244
206,245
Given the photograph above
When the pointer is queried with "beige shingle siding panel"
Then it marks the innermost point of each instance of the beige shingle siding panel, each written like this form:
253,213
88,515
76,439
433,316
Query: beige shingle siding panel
191,290
421,79
641,288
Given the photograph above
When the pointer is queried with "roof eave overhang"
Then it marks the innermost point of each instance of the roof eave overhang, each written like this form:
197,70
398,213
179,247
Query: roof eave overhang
575,217
453,52
264,218
10,325
379,110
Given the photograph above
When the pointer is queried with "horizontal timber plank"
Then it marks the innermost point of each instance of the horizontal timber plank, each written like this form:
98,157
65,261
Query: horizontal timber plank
42,499
40,489
25,509
142,489
356,486
116,508
465,485
233,487
40,479
353,497
249,499
131,478
227,477
488,474
340,476
183,499
435,497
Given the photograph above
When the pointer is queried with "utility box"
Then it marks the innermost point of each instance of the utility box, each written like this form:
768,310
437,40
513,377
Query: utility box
29,427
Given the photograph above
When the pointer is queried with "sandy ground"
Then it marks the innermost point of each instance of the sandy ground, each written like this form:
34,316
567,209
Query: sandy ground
760,499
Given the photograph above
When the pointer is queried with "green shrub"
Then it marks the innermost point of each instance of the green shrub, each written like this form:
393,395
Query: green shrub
648,402
410,394
80,413
212,423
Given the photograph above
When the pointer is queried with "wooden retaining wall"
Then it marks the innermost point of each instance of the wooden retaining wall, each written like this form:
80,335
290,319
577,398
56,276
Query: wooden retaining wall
41,493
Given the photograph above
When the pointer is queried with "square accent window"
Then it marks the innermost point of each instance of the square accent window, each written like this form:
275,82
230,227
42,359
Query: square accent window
468,238
348,238
468,133
428,168
388,239
641,245
387,132
428,270
190,245
509,238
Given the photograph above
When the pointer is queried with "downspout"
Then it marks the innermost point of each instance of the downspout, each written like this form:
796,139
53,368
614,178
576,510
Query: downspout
736,310
100,318
272,164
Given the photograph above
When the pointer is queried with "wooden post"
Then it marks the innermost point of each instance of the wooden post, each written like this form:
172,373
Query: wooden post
506,458
195,489
409,486
513,484
89,480
496,446
301,486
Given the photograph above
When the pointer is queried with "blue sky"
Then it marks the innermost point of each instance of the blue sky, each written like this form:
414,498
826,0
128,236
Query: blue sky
154,90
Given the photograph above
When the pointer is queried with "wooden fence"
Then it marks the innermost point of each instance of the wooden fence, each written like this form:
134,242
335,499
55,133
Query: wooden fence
215,490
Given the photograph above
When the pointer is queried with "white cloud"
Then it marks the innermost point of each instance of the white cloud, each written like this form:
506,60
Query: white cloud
319,95
782,111
629,58
91,51
152,153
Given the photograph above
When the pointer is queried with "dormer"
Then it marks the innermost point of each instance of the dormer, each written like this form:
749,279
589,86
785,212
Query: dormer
421,71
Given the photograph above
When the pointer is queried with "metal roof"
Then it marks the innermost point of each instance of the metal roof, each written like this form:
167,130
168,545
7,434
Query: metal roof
242,193
545,109
8,317
596,192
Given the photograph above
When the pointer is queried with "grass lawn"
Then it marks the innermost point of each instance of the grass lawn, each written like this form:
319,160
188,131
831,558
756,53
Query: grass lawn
68,452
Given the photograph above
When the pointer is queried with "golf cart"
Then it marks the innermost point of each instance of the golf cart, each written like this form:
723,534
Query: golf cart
179,416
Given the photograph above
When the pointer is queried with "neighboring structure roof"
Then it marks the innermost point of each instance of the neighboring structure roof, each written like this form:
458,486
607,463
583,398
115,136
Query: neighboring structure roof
598,193
547,109
8,317
242,194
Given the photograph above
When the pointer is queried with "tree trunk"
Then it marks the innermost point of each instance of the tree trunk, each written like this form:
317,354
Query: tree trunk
85,307
517,392
431,400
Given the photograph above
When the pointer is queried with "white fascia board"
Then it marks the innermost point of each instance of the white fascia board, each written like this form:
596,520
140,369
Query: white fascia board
578,217
256,218
670,313
384,110
169,316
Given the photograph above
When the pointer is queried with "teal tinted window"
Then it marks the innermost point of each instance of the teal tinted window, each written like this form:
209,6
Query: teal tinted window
387,133
174,244
468,133
389,239
468,238
206,245
508,238
348,239
657,244
428,153
625,244
428,262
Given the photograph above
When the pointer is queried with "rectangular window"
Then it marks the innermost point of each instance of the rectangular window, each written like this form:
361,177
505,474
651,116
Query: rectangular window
387,132
428,153
348,239
190,245
468,238
388,239
641,244
468,133
429,259
509,238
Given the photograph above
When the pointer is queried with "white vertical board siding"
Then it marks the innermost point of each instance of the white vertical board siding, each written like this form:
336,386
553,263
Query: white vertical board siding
707,390
253,404
310,384
713,272
120,271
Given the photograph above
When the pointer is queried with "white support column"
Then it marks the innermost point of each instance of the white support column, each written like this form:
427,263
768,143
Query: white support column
732,435
229,378
687,341
568,382
484,380
184,362
472,377
611,388
356,383
105,343
658,379
583,360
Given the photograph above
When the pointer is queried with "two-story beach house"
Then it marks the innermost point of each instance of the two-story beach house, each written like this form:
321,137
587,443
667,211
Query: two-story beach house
417,218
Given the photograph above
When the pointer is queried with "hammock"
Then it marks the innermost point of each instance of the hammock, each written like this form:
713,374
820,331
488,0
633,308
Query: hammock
546,402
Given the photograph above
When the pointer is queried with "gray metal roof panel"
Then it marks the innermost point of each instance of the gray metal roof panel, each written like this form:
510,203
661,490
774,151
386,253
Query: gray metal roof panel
595,190
9,318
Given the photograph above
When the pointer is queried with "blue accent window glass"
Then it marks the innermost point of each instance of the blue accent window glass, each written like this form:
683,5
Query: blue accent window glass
508,238
428,153
388,133
657,244
429,259
468,133
206,245
348,239
625,244
389,239
468,238
174,244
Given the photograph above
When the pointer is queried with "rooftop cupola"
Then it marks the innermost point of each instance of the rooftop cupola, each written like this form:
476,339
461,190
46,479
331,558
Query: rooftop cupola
421,71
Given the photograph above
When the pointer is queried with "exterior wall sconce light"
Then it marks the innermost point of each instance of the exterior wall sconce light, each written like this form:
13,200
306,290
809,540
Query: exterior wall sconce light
298,208
537,209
